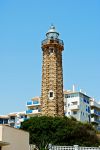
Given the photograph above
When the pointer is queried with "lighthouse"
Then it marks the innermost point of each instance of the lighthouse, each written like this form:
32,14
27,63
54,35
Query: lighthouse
52,102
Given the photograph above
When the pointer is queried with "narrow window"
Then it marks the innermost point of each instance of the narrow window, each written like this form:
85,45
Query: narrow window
51,50
69,113
68,105
51,94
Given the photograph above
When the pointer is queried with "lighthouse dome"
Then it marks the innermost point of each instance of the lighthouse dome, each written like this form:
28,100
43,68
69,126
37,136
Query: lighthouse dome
52,33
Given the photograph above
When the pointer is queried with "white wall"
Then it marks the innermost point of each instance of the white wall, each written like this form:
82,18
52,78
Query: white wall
18,139
79,107
0,133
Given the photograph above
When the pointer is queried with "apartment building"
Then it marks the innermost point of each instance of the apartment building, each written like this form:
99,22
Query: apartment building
77,105
95,113
33,107
13,119
8,119
20,117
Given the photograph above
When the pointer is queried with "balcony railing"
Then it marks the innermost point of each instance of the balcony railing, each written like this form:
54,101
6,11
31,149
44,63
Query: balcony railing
31,103
30,111
11,120
55,41
74,107
95,112
93,119
95,104
22,119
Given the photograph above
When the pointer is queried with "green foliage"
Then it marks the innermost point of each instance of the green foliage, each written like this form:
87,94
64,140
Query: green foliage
59,131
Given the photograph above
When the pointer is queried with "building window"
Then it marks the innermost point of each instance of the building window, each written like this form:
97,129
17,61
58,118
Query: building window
71,95
69,113
74,112
68,105
51,50
89,118
51,94
89,110
25,116
1,121
65,95
5,121
74,103
22,116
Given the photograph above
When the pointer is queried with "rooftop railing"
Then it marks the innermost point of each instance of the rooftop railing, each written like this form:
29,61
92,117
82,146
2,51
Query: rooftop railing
33,102
50,40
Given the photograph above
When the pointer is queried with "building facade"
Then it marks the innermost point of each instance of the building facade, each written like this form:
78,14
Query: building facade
33,107
13,119
95,113
77,105
4,119
52,75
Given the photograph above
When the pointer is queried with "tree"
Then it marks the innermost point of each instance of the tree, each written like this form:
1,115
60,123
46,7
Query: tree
59,131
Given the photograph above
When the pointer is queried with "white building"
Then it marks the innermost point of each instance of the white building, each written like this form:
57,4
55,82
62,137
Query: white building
13,119
95,113
13,139
20,117
77,105
33,107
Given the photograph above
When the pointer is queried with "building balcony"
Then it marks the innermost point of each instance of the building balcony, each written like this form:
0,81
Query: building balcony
30,111
95,112
74,107
11,121
32,103
94,104
94,120
22,119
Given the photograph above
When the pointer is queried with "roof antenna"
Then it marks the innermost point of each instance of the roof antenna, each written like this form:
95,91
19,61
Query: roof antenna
52,26
73,88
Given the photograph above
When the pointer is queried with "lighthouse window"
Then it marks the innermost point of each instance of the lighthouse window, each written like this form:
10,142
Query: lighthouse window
51,50
51,94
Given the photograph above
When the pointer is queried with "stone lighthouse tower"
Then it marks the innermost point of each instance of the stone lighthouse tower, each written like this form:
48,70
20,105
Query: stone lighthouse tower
52,75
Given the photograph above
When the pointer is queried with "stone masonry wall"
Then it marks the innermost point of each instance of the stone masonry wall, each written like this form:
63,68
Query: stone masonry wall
52,79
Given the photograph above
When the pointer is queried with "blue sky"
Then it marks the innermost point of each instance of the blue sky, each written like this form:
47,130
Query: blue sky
23,24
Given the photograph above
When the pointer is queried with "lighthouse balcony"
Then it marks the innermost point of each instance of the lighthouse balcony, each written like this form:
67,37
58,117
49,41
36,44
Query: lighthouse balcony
52,41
